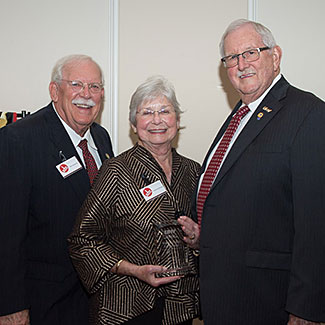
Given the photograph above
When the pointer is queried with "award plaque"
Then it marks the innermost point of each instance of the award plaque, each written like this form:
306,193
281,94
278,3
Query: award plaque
171,251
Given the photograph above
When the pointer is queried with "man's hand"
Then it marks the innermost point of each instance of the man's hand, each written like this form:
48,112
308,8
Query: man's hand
191,231
294,320
19,318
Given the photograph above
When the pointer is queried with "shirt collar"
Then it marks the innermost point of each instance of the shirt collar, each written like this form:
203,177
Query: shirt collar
253,106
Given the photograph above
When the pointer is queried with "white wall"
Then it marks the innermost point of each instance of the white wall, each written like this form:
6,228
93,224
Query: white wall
176,38
34,34
299,30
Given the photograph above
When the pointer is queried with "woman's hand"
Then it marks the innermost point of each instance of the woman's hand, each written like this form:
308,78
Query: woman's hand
146,273
191,230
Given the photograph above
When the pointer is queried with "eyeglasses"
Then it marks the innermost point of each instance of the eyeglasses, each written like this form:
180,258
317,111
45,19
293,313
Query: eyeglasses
78,86
163,112
251,55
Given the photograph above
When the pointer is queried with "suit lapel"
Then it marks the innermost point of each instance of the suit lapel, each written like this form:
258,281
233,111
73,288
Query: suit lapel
99,144
269,107
214,143
218,136
62,143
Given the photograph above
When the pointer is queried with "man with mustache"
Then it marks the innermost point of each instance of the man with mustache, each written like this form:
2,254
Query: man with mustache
260,198
48,162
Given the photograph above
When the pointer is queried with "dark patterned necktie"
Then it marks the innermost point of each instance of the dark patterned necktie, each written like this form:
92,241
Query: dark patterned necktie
216,160
89,160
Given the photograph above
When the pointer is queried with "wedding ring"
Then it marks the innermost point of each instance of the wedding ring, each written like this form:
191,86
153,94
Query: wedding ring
192,237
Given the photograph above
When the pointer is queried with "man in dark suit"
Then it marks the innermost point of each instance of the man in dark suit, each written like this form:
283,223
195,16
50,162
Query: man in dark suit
43,184
262,242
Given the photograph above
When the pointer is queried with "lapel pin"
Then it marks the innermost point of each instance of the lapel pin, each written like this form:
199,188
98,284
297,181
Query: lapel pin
62,156
259,116
107,156
266,109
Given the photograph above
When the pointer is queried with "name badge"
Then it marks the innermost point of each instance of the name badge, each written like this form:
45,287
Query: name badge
69,167
151,191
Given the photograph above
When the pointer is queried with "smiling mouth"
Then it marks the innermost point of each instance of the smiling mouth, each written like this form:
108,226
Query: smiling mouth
158,131
83,106
246,75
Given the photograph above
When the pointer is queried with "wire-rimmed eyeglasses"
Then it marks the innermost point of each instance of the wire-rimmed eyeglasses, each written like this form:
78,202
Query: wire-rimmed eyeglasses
149,113
78,86
251,55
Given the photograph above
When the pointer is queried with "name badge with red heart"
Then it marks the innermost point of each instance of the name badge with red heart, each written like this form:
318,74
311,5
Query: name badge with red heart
153,190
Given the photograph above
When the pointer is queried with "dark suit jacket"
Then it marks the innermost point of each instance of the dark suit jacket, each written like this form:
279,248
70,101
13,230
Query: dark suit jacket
37,212
262,252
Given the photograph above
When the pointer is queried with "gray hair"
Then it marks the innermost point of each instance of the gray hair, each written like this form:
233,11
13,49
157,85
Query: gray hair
151,89
69,59
264,32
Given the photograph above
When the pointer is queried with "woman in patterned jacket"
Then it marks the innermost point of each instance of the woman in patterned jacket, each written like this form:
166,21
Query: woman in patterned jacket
114,242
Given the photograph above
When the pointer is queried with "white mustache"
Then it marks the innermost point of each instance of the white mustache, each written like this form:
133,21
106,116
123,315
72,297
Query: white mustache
80,101
241,73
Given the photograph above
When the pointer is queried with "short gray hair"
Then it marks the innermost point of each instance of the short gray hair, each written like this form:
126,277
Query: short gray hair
264,32
151,89
66,60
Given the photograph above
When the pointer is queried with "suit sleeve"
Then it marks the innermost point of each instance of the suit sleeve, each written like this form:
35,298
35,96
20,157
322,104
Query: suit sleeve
306,294
15,189
89,242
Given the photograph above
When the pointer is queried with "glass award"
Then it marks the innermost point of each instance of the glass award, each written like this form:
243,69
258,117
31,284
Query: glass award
170,250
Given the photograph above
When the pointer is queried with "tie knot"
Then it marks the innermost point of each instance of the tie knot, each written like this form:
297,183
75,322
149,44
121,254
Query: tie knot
242,111
83,144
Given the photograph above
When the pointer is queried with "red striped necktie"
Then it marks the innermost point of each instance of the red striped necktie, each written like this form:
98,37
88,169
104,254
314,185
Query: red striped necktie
216,160
89,160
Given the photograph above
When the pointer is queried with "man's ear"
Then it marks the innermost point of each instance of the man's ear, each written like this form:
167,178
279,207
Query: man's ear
54,91
277,54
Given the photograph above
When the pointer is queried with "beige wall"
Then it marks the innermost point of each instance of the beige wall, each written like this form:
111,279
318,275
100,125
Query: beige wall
176,38
179,40
299,29
34,34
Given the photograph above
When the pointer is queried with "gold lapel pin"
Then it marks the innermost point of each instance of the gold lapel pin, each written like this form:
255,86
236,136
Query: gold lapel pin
259,116
107,156
266,109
